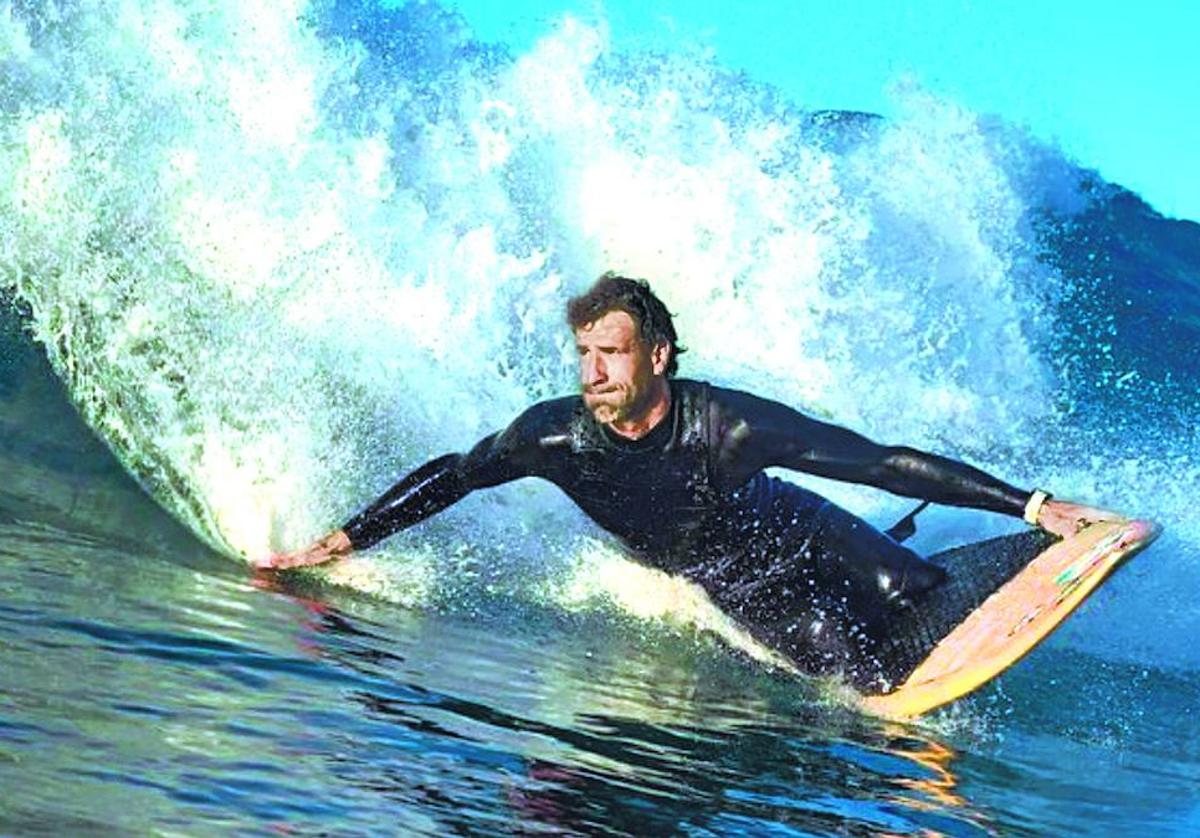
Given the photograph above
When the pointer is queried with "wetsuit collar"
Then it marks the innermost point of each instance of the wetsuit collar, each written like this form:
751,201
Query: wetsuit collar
657,437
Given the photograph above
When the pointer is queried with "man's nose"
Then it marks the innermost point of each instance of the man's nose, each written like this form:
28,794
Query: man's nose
593,369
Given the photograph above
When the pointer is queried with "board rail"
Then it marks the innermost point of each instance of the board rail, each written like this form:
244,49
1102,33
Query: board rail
1016,618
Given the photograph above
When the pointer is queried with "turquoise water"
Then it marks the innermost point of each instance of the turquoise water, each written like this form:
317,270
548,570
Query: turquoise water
276,257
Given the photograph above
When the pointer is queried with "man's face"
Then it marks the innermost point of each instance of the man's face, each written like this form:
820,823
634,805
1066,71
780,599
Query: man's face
619,372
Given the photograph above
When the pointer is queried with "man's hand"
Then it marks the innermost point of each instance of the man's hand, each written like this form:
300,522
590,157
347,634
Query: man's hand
1065,519
334,546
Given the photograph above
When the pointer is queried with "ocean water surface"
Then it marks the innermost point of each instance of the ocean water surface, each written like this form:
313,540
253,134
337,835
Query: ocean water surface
258,260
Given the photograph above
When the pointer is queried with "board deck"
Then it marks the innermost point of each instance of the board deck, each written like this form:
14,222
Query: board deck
1014,619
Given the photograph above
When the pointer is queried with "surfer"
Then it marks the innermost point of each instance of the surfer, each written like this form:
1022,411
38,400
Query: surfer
675,470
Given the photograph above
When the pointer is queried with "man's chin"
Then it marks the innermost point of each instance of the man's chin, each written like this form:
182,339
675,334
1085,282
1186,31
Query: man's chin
604,412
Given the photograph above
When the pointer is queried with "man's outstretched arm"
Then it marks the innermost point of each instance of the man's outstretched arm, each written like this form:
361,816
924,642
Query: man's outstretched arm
920,474
907,471
788,438
419,495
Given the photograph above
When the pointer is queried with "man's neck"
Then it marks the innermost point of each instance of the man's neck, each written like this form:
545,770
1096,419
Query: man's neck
647,419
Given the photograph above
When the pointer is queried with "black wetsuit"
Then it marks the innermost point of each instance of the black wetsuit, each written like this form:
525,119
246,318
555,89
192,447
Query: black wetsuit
799,573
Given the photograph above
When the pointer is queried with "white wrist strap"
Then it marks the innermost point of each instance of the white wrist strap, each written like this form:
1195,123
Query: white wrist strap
1033,507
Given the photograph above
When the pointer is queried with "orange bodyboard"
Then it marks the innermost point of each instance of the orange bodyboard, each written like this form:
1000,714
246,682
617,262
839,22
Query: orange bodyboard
1018,616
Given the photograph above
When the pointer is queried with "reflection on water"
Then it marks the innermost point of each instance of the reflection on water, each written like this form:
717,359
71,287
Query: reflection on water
162,692
151,695
632,737
941,783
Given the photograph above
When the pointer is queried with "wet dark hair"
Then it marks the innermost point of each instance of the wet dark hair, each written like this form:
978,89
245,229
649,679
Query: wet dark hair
612,292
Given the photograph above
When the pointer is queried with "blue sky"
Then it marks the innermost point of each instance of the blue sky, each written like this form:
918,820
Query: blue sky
1115,85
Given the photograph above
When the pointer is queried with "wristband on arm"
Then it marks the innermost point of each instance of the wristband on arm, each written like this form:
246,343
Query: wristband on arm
1033,507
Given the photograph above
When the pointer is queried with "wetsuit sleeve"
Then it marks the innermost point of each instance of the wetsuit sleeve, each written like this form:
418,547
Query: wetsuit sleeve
497,459
773,434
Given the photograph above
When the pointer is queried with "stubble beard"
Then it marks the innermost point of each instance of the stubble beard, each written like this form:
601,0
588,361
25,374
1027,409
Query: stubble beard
619,405
605,412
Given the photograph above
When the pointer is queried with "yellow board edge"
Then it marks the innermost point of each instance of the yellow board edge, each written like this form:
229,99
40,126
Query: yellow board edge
927,688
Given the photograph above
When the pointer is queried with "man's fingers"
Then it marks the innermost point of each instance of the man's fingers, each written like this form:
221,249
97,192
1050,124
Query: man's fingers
285,561
1065,519
277,561
1085,515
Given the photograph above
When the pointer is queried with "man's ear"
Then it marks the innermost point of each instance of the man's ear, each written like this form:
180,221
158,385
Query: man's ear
660,357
